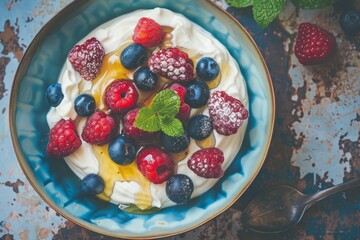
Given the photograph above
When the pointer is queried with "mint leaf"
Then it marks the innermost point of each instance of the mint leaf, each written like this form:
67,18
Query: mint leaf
312,4
265,11
171,126
147,120
166,102
240,3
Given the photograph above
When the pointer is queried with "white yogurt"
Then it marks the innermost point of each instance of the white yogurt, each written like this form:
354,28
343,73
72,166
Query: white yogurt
185,34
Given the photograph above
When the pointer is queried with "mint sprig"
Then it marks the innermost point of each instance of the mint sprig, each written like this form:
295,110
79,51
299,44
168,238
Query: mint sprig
265,11
161,115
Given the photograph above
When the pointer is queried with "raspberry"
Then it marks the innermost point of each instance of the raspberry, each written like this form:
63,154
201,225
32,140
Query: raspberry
173,64
99,129
207,162
226,112
184,111
155,165
63,139
121,96
87,58
148,33
313,44
180,90
131,131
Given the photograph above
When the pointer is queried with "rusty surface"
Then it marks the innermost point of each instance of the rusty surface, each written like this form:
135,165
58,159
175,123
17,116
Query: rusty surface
315,144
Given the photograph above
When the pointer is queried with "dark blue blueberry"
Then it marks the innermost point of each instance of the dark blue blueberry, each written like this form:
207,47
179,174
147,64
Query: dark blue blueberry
92,184
145,79
175,144
207,69
179,188
199,127
350,21
122,150
54,94
133,56
197,94
85,105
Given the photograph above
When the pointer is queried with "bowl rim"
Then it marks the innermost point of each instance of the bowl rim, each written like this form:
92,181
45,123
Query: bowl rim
27,170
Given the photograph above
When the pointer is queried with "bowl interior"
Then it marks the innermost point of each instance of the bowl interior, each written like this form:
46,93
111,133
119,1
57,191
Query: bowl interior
59,186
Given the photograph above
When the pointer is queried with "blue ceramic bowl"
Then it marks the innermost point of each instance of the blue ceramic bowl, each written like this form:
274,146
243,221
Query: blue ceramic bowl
59,186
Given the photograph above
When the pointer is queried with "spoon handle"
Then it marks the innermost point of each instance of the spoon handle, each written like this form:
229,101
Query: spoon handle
335,189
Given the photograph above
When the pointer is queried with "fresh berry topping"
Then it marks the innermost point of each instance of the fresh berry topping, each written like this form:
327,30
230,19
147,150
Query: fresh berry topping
179,188
99,129
173,64
226,112
148,33
121,96
133,56
54,94
84,105
350,21
207,162
207,69
145,79
92,184
175,144
131,131
184,113
180,90
122,150
313,44
63,139
87,58
154,164
197,94
200,127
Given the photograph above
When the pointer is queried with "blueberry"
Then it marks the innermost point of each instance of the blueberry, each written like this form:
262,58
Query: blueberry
200,127
92,184
207,69
54,94
145,79
350,21
197,94
179,188
175,144
133,56
122,150
84,105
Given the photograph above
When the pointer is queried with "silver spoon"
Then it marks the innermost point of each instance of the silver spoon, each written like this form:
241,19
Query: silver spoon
282,207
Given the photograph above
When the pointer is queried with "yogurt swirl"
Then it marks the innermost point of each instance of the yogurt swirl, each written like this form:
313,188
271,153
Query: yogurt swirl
186,35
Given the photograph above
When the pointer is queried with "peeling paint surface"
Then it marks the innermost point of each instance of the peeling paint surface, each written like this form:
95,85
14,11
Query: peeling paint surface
315,144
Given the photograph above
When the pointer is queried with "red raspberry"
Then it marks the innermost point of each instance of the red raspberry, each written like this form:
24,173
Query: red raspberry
148,33
226,112
99,129
184,112
207,162
155,164
87,58
180,90
313,44
172,63
133,132
121,96
63,139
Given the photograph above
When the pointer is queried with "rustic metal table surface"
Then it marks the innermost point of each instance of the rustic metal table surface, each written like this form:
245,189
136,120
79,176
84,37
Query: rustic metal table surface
315,143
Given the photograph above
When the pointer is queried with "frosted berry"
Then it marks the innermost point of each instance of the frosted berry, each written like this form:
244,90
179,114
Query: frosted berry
179,188
173,64
207,163
226,112
199,127
87,58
